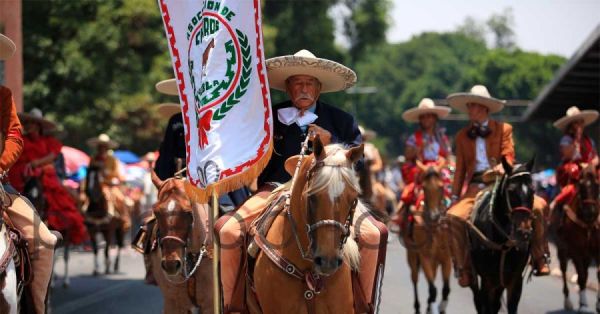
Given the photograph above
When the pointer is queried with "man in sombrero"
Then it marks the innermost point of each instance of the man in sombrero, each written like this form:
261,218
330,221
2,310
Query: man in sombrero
22,215
578,152
303,77
480,147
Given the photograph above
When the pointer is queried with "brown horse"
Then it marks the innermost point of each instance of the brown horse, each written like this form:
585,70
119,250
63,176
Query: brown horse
180,260
578,237
307,255
426,243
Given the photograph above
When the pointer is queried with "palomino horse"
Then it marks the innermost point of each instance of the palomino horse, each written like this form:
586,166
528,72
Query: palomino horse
306,257
500,237
578,237
99,220
426,241
181,267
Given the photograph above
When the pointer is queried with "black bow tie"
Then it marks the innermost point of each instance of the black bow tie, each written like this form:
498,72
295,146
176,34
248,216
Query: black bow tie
479,130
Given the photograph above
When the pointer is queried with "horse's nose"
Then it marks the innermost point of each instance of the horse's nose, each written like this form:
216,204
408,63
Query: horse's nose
327,265
171,267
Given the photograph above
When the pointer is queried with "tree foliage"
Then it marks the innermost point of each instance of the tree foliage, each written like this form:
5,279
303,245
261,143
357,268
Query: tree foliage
93,64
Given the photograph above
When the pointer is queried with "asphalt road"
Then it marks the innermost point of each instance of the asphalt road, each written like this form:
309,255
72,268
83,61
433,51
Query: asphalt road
125,292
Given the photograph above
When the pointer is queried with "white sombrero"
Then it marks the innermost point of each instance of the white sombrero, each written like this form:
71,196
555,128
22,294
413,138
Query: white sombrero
426,105
102,139
367,134
332,75
573,114
167,110
7,47
36,115
479,95
167,87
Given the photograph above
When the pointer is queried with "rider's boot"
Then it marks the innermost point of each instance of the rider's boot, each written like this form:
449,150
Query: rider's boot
539,241
460,251
41,262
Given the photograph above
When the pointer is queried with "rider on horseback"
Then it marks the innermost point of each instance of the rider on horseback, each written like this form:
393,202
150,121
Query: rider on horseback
578,152
109,167
304,77
429,145
23,216
480,147
37,160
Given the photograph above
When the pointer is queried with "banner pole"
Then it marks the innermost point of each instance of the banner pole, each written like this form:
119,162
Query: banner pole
216,255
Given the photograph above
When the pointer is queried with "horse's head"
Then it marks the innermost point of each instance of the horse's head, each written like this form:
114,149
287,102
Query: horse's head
517,193
93,185
587,197
329,195
173,212
433,187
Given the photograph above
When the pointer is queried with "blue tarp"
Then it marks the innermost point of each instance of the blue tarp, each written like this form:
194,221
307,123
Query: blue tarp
126,156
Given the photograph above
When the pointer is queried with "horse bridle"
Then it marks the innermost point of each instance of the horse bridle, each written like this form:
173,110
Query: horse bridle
184,244
525,209
311,228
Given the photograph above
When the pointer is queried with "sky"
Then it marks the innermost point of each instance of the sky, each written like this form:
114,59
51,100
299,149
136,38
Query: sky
545,26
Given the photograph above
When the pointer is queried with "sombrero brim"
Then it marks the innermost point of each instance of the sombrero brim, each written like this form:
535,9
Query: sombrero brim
7,47
47,125
412,115
168,110
167,87
588,117
459,102
94,142
332,75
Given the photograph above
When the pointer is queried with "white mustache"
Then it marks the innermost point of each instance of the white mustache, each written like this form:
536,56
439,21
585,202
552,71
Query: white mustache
304,96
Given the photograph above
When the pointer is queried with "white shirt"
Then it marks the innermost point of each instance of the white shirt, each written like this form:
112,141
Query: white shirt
481,159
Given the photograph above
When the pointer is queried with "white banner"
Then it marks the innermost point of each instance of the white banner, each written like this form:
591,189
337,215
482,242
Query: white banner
218,59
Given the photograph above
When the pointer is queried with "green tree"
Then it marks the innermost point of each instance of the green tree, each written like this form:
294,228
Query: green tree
501,25
366,25
92,63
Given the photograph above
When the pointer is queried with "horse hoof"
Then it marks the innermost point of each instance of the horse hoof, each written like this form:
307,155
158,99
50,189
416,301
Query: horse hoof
65,285
433,309
96,273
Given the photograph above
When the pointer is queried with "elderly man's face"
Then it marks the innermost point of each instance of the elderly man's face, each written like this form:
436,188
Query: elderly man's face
477,112
303,90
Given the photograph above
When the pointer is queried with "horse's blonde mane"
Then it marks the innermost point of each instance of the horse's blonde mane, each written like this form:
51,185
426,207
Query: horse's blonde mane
335,175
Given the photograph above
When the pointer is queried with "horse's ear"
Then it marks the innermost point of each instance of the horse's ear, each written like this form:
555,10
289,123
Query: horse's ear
506,165
156,180
318,148
530,163
354,154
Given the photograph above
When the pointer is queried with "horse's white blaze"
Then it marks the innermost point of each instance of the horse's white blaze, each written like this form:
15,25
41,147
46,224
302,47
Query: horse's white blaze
171,206
9,291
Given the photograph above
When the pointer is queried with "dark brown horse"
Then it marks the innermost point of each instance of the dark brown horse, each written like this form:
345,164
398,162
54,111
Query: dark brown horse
500,237
320,253
426,241
181,261
98,220
578,237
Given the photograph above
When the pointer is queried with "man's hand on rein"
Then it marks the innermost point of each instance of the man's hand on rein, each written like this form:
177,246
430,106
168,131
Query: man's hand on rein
324,135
